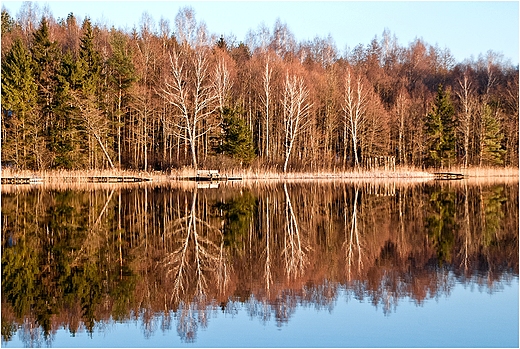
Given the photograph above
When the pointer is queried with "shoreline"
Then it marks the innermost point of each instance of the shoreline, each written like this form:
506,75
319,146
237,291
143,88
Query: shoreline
76,176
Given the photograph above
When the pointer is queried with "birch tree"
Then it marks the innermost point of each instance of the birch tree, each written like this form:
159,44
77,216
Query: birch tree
266,99
223,84
189,89
466,118
295,112
401,107
354,106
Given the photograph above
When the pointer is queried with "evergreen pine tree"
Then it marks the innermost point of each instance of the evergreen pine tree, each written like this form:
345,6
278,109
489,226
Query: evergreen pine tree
121,76
491,152
237,140
67,141
46,59
7,22
89,98
440,130
19,97
89,61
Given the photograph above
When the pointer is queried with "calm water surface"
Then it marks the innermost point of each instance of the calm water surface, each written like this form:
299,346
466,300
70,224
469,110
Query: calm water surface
301,264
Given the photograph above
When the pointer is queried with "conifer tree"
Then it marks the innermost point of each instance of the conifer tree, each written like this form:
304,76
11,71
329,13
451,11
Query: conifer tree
88,99
491,152
19,116
46,58
89,61
7,22
440,130
68,145
121,77
237,140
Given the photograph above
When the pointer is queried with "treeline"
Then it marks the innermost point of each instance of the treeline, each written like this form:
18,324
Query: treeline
83,96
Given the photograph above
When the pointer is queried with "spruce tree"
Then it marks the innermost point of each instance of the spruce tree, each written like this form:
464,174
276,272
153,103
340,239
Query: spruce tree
67,141
491,152
89,98
237,140
19,97
440,130
121,77
7,22
46,59
89,61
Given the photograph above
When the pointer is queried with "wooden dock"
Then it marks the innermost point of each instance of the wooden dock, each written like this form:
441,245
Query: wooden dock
116,179
21,180
209,176
89,179
448,176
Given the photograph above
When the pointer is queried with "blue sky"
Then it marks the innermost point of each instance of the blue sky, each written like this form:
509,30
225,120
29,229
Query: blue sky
466,28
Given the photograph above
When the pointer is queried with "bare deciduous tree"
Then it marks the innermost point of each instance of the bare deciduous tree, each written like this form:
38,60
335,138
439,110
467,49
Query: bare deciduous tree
295,112
355,105
223,84
266,99
190,90
95,122
466,118
401,110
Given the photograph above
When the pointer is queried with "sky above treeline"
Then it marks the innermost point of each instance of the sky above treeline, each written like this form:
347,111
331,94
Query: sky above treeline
466,28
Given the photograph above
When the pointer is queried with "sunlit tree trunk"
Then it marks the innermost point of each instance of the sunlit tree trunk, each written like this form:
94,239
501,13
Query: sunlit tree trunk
191,92
354,107
95,122
401,107
295,111
223,84
465,94
266,79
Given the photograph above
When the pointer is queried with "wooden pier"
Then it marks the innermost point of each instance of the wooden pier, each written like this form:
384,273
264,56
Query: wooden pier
21,180
89,179
116,179
448,176
209,176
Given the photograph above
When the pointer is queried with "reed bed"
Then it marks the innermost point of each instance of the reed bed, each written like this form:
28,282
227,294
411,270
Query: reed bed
77,186
488,172
400,173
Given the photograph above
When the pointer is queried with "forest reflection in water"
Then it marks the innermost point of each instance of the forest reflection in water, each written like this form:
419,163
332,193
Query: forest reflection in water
77,258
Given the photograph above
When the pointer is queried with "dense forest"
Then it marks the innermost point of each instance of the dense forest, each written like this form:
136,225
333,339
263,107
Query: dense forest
78,95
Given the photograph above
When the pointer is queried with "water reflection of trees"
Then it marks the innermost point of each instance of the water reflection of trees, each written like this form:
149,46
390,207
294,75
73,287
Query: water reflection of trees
158,255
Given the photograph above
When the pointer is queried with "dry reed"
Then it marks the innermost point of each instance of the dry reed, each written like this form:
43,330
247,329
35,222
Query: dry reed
257,174
488,172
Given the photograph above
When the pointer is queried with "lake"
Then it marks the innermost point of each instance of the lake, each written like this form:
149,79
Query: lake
267,264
